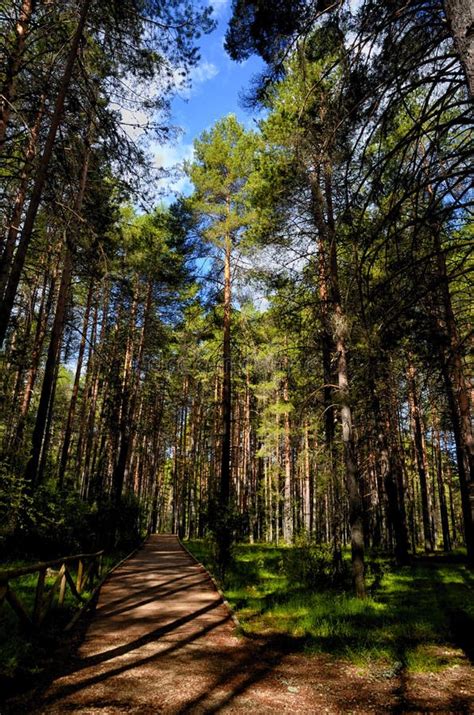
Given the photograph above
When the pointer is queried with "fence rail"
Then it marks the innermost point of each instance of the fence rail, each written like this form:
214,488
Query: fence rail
89,567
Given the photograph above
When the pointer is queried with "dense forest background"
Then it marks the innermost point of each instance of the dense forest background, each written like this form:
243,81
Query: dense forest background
284,354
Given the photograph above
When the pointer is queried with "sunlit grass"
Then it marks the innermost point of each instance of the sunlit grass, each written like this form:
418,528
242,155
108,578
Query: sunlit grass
416,617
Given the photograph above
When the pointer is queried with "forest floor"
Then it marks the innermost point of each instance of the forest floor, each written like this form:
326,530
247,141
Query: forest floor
162,640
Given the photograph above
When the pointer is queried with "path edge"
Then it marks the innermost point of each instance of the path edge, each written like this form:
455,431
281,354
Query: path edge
236,621
92,601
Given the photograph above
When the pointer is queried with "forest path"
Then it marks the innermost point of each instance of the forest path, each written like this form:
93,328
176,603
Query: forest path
162,641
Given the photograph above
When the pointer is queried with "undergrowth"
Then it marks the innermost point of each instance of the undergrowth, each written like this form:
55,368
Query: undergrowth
417,617
26,653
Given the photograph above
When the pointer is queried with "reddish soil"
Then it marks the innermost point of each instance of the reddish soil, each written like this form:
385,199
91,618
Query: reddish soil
162,641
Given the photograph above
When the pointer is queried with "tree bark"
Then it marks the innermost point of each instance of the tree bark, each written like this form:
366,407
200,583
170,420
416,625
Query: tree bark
420,455
287,495
44,312
6,305
13,65
390,471
457,393
327,239
440,479
15,220
460,15
224,531
33,473
75,392
128,431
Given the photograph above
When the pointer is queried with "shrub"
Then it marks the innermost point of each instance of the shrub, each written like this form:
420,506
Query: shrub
312,565
52,522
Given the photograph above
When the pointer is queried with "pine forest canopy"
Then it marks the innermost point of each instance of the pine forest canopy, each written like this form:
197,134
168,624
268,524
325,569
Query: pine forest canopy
285,351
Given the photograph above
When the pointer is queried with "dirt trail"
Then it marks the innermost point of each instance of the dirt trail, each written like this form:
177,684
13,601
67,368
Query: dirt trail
162,641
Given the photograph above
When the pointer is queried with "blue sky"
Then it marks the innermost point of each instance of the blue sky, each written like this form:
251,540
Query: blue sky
217,82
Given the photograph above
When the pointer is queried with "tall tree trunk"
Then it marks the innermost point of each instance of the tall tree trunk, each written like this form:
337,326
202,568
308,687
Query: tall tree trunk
224,531
457,393
438,458
44,312
131,389
26,331
8,299
460,15
327,238
308,514
32,473
75,391
420,454
89,403
121,412
327,348
352,473
13,65
287,495
15,219
389,468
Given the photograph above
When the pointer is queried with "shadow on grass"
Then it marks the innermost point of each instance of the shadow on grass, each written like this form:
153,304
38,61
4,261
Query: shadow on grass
335,622
412,615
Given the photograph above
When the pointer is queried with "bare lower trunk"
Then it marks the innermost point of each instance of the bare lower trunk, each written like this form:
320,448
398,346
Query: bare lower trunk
322,205
457,393
33,469
40,334
75,393
390,469
440,480
128,435
287,496
356,512
40,437
224,531
420,455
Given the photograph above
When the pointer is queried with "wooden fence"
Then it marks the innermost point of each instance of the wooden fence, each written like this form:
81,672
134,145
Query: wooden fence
89,568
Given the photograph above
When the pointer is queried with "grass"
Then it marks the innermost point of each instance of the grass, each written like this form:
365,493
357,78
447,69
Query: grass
24,653
417,617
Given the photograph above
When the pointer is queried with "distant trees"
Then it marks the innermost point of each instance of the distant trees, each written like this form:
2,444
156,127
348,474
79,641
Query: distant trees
67,165
219,172
282,355
390,66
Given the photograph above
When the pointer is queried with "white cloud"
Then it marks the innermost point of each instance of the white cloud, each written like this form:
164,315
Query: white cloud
203,72
134,123
171,157
187,85
218,5
134,118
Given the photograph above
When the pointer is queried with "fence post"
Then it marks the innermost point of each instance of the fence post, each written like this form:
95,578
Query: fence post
39,596
80,574
62,587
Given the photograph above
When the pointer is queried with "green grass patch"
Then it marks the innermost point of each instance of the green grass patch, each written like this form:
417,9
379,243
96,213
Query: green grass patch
417,617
